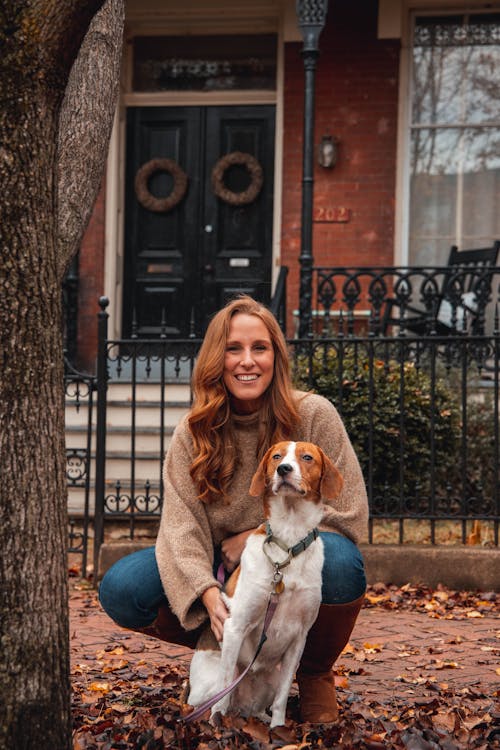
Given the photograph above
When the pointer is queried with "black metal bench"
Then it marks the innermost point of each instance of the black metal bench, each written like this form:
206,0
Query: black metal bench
451,299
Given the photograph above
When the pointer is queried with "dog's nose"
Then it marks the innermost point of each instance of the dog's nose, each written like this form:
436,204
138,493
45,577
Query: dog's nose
284,469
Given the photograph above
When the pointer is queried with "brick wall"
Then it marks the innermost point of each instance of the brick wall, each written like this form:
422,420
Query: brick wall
356,101
91,285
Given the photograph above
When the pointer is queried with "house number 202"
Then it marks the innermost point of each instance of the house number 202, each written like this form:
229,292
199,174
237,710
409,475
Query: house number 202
339,214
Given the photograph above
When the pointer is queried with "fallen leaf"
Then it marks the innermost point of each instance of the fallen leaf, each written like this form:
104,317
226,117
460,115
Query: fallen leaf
341,681
445,720
257,729
102,687
446,664
114,666
372,648
348,650
285,734
470,724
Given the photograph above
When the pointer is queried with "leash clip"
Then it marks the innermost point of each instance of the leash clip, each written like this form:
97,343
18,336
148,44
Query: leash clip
278,585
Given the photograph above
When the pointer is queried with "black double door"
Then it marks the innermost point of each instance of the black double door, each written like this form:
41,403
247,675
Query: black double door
183,264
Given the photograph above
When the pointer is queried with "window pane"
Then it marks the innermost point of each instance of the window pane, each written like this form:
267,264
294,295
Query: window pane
437,76
454,135
455,69
454,190
204,63
481,187
482,85
433,194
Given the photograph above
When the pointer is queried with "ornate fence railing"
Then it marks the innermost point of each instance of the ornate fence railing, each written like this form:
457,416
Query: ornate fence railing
79,397
421,411
412,301
423,416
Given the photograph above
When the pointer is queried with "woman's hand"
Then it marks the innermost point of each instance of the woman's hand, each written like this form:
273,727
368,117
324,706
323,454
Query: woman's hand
216,609
232,548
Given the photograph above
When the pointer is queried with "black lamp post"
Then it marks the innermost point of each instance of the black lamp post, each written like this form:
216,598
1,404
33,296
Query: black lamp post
311,18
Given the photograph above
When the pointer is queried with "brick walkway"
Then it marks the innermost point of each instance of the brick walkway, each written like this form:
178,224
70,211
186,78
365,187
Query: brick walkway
393,655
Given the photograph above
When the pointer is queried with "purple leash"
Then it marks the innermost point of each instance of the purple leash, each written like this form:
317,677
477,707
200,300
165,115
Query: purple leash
221,574
271,608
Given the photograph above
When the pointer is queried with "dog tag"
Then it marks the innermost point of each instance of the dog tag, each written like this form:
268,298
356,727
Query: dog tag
279,587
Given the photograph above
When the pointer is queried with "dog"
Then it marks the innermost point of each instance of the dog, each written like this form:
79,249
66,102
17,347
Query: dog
282,558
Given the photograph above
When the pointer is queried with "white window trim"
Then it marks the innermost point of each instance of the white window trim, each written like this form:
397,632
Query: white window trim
392,27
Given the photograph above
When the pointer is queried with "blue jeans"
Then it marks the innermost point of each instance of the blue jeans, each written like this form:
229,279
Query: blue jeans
131,591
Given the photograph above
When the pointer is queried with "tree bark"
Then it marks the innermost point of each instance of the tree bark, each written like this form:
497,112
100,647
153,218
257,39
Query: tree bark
86,122
39,40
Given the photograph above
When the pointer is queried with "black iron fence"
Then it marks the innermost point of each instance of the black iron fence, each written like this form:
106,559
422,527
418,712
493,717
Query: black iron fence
423,416
413,301
79,398
422,410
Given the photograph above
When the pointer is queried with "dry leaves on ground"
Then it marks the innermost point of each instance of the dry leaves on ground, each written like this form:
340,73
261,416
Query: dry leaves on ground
123,700
437,603
140,708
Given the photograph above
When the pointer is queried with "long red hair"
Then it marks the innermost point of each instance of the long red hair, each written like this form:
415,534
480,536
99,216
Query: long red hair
215,458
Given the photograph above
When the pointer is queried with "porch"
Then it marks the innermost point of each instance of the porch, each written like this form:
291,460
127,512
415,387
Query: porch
422,409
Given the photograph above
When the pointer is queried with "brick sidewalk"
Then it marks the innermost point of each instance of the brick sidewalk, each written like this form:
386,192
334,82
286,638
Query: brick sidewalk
393,655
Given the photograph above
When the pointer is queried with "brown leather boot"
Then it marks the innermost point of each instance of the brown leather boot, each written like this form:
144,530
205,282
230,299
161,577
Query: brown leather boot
167,627
326,640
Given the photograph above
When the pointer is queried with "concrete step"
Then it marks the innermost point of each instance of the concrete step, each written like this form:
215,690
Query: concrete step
121,413
146,414
146,465
76,502
148,443
119,438
173,392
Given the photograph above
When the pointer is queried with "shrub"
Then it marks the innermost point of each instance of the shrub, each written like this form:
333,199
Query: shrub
395,412
479,484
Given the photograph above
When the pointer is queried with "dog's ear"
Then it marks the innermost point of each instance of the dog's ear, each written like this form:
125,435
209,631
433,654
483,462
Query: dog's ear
258,483
331,479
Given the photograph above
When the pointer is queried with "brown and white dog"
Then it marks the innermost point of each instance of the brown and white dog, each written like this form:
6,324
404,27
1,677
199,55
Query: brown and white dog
292,478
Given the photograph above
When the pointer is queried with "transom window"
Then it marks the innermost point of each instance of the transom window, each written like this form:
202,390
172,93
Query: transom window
454,135
204,63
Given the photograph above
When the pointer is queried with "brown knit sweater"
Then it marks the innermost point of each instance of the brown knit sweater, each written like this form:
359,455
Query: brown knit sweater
190,529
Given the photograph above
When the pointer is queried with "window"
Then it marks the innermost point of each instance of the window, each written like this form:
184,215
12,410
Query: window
205,63
454,161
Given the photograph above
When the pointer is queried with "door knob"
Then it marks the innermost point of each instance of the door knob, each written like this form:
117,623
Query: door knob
209,268
209,228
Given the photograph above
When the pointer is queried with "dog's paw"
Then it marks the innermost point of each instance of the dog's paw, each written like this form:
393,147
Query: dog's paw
221,707
263,716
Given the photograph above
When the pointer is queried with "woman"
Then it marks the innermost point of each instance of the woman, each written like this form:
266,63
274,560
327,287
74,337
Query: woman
243,403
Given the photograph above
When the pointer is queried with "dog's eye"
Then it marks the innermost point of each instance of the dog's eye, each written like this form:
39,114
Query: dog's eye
276,456
307,457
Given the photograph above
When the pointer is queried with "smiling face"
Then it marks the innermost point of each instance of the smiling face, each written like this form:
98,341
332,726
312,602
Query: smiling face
248,362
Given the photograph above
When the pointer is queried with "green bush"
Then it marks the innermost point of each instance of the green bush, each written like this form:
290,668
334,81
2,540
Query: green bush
395,411
478,453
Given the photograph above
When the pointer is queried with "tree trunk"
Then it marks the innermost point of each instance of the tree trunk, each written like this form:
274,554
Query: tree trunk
86,121
39,40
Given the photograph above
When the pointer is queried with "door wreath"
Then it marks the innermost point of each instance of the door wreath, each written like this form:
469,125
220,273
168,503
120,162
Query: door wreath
254,170
146,198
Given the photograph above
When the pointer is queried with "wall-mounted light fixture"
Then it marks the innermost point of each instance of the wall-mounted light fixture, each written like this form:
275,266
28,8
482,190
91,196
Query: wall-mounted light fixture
328,151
